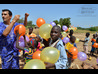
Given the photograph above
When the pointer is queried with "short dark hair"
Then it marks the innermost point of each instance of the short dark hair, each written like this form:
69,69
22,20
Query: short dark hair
88,33
10,13
72,37
59,29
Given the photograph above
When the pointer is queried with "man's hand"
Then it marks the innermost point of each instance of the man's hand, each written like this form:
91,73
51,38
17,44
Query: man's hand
16,18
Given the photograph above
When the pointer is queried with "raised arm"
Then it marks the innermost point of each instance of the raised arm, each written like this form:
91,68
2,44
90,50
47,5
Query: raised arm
25,21
8,29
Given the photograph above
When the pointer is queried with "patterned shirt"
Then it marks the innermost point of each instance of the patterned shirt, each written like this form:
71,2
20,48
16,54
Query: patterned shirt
6,43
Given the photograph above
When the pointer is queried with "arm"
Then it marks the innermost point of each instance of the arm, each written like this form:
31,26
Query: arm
17,43
25,41
25,21
83,41
62,61
8,29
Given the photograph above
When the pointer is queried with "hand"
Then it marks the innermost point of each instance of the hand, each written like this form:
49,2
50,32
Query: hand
26,14
16,18
49,65
17,33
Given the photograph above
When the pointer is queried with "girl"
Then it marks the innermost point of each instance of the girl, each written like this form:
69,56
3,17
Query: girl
29,47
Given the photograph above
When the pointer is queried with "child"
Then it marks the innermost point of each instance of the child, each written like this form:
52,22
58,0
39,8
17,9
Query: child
72,41
85,45
30,34
29,47
72,44
93,40
62,61
70,34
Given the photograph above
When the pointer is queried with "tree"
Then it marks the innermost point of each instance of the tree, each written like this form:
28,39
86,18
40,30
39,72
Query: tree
65,21
56,21
29,23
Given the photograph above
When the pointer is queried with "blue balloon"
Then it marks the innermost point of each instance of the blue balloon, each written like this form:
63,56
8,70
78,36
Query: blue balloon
66,40
82,56
64,28
21,44
53,23
22,39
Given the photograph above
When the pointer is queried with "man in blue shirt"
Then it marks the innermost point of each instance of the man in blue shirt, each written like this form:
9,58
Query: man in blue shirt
9,54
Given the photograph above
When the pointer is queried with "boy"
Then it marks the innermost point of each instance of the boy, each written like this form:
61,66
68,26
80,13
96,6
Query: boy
85,45
62,61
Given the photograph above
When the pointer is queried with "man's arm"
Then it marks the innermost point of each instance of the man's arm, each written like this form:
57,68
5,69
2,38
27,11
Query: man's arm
25,21
8,29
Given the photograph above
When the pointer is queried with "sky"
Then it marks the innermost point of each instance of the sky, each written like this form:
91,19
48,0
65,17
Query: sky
82,15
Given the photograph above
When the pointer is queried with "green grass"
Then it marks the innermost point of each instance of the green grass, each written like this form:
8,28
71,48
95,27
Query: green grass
84,31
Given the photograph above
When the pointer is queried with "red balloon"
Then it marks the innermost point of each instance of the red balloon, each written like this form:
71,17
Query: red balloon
73,51
40,21
36,55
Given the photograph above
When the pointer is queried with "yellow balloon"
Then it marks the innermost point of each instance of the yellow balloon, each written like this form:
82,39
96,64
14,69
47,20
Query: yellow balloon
44,31
64,34
35,64
69,46
77,40
59,25
69,29
50,54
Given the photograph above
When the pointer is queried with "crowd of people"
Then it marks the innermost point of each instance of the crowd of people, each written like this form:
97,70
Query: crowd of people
10,56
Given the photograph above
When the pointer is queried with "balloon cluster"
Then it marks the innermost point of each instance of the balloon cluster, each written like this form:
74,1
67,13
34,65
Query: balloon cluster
44,28
48,54
72,28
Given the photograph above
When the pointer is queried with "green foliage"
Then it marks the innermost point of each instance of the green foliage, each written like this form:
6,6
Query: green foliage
92,29
29,23
65,21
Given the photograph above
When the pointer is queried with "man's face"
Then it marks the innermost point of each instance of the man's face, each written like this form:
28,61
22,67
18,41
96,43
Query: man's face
5,16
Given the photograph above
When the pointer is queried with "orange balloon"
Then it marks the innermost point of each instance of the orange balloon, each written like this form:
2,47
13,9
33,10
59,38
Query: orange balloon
74,57
95,45
21,28
19,50
36,55
73,51
40,21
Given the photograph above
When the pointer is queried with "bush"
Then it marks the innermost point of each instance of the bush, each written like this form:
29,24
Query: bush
92,29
